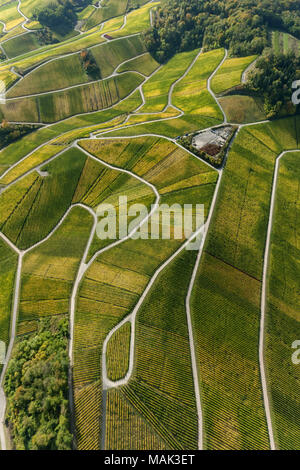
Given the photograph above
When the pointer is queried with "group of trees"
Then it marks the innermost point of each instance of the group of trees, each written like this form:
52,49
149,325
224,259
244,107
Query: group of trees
60,16
36,386
11,132
272,78
242,26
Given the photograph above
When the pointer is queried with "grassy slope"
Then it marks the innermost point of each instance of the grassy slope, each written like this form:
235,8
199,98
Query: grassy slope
157,88
110,55
242,109
14,32
39,156
284,43
49,270
54,75
189,94
34,58
16,151
10,15
109,9
137,20
56,106
33,206
28,6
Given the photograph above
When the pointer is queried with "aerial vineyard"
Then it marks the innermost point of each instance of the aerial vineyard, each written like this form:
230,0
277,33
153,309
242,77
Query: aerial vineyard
56,106
125,429
162,382
7,275
49,270
144,64
112,113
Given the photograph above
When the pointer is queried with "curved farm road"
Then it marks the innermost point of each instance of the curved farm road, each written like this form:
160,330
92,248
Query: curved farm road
264,299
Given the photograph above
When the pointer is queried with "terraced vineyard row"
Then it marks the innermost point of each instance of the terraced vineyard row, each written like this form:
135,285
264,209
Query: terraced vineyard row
7,275
112,286
162,386
118,350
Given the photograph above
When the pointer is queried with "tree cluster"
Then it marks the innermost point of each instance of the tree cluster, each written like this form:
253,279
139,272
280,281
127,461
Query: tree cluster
36,386
45,36
272,78
242,26
11,132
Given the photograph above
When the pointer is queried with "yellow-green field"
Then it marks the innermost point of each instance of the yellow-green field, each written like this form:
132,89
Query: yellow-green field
165,342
